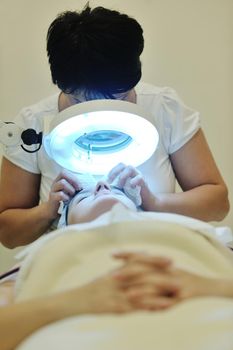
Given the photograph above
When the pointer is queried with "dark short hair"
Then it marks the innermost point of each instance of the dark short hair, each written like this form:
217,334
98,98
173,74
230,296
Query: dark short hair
95,49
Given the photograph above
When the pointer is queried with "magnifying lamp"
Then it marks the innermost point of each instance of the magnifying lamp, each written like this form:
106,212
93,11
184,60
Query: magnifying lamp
94,136
90,137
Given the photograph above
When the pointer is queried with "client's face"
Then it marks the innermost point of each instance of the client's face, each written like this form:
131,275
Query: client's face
89,203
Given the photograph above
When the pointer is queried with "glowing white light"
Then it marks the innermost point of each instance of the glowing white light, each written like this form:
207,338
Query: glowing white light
102,115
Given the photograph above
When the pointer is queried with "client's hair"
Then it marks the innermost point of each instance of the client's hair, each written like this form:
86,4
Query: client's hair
95,50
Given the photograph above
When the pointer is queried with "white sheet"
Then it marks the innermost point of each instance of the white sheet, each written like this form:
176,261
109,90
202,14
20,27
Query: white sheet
73,257
119,213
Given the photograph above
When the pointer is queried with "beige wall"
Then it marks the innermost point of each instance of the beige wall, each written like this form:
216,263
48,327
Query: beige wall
188,45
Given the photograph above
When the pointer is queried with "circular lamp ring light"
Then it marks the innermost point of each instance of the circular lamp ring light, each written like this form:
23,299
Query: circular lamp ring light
94,136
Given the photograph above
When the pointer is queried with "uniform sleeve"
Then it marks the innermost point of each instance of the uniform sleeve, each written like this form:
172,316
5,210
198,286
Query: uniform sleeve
181,122
15,154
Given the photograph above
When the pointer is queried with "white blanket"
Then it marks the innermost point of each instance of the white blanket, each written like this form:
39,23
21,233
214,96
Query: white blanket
76,255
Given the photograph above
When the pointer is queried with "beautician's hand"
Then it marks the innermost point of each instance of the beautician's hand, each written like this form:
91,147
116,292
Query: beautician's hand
62,189
124,172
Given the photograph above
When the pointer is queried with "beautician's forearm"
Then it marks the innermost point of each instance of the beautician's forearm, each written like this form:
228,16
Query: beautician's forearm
206,202
23,226
20,320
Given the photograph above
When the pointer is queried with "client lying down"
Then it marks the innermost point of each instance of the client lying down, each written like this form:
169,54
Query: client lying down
117,264
123,184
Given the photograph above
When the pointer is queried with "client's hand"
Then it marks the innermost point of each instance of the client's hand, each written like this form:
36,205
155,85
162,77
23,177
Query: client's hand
143,278
104,295
153,281
63,189
124,172
115,292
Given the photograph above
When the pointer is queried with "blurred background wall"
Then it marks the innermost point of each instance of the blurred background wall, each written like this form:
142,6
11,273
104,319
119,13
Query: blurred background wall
188,46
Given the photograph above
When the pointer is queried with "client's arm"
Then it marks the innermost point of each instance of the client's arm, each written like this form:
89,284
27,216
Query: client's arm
149,282
103,295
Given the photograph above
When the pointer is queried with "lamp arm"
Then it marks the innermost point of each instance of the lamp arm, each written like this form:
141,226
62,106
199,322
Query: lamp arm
13,135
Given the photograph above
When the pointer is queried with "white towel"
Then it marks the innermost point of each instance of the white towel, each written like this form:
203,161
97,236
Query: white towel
132,193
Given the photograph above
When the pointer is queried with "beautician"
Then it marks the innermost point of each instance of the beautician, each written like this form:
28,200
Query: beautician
95,54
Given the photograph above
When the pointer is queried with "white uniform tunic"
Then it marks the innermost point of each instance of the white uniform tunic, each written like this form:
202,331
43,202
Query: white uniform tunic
175,122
